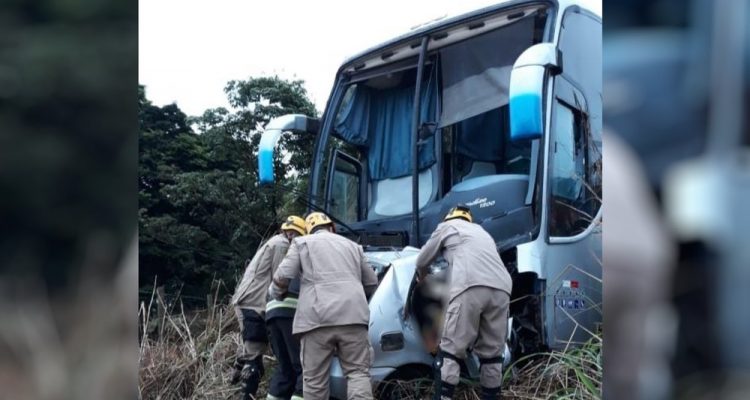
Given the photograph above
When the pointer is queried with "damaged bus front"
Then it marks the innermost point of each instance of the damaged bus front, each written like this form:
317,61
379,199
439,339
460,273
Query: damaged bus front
499,109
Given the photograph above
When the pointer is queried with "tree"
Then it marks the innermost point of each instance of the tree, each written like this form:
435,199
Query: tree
202,214
261,99
168,149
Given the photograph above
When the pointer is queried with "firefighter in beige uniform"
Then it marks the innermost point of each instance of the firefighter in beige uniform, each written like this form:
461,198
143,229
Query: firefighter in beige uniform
478,299
332,313
249,302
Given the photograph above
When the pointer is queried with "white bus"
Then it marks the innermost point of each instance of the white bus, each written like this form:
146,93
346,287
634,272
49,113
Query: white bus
499,109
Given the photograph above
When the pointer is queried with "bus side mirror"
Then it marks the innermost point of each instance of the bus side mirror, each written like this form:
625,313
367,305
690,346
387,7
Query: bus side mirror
527,89
296,123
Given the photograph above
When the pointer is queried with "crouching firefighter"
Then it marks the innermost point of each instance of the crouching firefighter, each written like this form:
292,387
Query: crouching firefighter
332,317
477,303
249,302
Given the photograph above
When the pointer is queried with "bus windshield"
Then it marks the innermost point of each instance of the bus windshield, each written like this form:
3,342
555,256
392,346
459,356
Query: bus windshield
463,119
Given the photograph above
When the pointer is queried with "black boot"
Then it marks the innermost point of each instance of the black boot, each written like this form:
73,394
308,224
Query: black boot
443,390
251,375
491,393
238,364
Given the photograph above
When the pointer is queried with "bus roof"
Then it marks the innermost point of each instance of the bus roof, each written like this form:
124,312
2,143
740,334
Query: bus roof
457,16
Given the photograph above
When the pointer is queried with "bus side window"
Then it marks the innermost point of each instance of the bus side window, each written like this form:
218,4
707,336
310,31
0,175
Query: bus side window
593,170
570,194
344,197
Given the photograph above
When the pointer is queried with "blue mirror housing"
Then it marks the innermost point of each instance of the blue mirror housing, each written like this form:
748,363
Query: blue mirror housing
526,103
526,90
267,148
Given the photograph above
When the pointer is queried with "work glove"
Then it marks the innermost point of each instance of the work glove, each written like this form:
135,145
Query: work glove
275,293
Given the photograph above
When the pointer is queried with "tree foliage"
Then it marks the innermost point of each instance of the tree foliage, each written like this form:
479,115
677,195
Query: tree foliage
201,211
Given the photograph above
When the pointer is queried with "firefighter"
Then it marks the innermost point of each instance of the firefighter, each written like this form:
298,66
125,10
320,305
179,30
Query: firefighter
249,302
332,315
286,380
477,302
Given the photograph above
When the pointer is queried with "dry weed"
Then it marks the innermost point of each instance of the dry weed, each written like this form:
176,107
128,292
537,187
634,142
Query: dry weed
193,356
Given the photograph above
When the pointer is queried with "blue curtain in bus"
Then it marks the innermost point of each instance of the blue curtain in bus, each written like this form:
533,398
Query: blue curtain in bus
381,121
353,120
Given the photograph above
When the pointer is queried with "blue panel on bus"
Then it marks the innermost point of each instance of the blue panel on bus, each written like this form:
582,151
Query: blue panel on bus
525,116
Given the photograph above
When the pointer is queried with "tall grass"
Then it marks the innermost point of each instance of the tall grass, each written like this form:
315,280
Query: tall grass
190,356
572,374
187,355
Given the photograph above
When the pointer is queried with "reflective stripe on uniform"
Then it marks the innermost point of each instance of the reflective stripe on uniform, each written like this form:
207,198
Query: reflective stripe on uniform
289,302
296,397
272,397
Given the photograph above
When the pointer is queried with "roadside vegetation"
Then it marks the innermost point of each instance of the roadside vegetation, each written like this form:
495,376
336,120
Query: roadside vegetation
189,355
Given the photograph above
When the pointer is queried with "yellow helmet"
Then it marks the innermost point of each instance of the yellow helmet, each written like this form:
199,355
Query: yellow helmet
294,223
459,211
316,219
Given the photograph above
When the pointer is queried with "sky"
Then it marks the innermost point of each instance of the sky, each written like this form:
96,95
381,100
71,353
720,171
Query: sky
190,49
